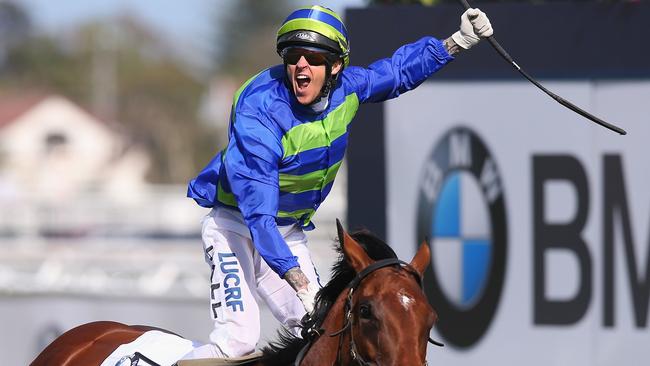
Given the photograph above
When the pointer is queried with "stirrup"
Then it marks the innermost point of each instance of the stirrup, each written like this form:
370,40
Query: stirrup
134,360
234,361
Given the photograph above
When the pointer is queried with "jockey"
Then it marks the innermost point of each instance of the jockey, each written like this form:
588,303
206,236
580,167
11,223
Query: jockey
288,133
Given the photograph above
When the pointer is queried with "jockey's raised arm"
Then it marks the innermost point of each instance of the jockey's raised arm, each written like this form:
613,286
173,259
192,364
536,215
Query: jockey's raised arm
287,138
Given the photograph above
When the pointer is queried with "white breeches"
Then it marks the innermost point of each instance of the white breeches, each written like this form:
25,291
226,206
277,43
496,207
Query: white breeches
239,273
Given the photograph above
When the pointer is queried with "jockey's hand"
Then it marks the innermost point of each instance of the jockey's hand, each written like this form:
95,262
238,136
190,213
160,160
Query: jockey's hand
474,25
305,290
308,297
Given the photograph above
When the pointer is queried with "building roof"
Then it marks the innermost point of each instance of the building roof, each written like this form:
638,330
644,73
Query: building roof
13,106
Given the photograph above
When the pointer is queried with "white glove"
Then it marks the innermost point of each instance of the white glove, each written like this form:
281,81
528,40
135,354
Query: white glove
474,25
308,296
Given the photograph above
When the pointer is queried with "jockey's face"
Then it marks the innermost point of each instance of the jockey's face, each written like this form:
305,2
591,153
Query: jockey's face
307,80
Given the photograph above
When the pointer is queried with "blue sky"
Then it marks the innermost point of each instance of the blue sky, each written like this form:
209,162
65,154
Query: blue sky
173,16
184,22
188,18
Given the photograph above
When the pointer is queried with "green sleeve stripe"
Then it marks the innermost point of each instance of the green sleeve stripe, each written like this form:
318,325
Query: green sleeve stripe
296,214
310,181
320,133
299,214
315,25
225,197
235,99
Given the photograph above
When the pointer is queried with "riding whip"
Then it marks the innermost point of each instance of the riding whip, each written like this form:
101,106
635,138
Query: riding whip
557,98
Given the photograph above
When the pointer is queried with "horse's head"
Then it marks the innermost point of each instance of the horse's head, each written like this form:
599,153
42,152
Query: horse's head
389,315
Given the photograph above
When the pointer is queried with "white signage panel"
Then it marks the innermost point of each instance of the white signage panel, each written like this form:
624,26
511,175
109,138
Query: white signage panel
538,219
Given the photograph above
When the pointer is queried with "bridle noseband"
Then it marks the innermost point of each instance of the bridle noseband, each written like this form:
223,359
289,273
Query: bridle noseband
314,332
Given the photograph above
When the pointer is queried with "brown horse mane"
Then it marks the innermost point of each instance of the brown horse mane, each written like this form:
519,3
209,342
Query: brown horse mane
284,350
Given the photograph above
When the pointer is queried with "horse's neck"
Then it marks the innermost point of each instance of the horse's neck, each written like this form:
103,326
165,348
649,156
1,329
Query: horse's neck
325,349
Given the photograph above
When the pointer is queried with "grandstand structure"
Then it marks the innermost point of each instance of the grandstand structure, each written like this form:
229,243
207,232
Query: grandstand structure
154,250
92,259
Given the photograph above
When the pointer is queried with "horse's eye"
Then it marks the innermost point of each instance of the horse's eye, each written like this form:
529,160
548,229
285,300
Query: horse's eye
365,311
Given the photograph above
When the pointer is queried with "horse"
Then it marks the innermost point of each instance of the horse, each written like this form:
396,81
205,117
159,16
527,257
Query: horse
372,312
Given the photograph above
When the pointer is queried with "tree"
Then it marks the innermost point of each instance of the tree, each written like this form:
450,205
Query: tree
15,26
244,44
122,72
156,98
245,36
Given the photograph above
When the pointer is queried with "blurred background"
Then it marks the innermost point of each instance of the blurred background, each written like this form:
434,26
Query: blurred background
108,108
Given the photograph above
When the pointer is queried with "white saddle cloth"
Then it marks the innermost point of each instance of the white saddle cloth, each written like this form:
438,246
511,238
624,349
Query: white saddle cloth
163,348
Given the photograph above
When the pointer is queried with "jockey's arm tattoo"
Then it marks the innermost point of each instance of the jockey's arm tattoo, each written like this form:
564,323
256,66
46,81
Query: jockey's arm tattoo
296,278
451,46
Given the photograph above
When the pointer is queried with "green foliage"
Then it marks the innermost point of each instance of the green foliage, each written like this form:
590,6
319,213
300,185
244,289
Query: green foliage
245,35
121,71
145,89
39,63
15,26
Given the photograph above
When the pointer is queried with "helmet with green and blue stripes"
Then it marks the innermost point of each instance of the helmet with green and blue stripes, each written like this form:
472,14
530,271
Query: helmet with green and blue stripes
315,26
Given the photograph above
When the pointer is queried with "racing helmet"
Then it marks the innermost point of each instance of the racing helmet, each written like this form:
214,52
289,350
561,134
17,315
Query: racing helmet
315,26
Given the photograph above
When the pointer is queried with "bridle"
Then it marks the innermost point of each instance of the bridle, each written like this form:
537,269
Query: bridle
314,332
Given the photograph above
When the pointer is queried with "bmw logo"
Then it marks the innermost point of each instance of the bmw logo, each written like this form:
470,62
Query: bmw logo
461,211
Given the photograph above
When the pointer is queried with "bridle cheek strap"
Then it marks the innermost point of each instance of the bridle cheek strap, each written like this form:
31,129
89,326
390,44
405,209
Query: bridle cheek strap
356,356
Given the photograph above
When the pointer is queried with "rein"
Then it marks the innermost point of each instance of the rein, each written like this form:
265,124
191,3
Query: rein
314,332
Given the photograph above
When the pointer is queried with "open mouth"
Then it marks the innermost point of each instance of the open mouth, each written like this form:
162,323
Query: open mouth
302,81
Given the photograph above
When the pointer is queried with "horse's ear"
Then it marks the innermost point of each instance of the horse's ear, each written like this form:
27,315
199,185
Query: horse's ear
422,258
354,253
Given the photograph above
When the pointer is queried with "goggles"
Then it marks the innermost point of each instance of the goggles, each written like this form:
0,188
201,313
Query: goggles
314,56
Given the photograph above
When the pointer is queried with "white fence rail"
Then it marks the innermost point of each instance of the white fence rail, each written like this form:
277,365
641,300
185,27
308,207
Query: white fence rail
157,209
